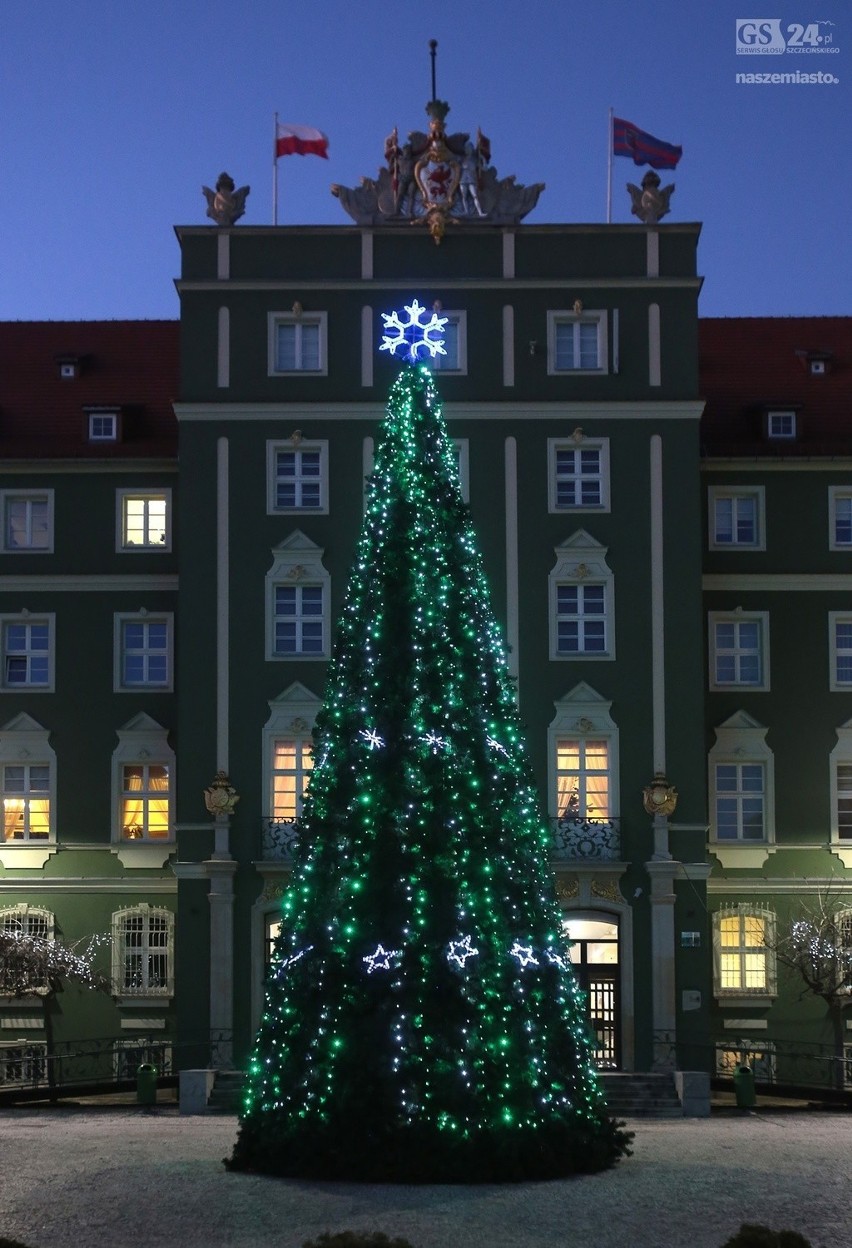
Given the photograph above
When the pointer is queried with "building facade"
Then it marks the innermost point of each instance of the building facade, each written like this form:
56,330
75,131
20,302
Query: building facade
88,591
778,613
664,508
571,390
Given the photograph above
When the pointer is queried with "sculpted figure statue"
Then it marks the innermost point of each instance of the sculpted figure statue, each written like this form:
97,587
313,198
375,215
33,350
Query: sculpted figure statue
468,188
225,205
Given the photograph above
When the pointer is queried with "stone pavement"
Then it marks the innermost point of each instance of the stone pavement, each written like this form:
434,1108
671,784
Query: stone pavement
139,1178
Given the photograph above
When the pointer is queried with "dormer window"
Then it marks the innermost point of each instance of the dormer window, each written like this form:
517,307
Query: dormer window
69,366
781,426
102,424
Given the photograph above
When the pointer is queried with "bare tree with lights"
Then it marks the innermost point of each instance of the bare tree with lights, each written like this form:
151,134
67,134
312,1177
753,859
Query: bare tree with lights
816,946
37,965
422,1022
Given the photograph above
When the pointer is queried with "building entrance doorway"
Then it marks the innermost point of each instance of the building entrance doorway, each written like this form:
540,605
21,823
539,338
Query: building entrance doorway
594,956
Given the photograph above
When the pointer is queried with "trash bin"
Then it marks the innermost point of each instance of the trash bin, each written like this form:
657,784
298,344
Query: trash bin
744,1087
146,1084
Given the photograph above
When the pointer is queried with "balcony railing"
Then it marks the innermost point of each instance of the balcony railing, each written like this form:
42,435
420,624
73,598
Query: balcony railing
575,837
279,839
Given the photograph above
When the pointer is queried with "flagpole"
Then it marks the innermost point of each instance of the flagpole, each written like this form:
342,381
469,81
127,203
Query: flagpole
275,173
609,173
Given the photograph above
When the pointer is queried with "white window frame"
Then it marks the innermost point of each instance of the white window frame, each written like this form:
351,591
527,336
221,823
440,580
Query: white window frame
28,619
744,911
145,990
120,620
582,561
835,618
783,415
297,447
28,497
320,319
577,444
24,740
841,756
297,562
291,717
742,740
440,364
142,742
122,499
755,494
715,619
156,1052
836,494
110,433
583,714
594,316
26,918
30,1055
758,1055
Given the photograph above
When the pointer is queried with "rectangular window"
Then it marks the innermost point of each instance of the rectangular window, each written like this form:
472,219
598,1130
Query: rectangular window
576,342
292,763
298,480
455,345
298,622
145,521
736,519
742,954
145,658
844,801
582,779
297,343
23,1064
145,802
840,643
738,652
580,619
27,521
26,801
781,425
27,654
103,426
131,1054
579,477
840,514
740,799
144,948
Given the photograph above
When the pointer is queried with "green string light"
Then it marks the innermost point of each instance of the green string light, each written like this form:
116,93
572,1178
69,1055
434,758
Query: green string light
422,1020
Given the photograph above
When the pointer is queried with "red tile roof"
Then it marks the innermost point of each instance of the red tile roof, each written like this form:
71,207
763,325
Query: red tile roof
131,365
750,364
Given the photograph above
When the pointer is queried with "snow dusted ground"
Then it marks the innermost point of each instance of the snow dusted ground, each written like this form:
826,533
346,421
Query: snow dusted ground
142,1178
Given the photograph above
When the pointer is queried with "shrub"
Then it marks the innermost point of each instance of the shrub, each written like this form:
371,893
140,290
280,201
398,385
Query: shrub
755,1236
354,1239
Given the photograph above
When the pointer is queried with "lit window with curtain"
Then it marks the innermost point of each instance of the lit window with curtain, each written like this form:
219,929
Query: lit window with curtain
743,962
292,762
583,778
145,521
145,802
26,802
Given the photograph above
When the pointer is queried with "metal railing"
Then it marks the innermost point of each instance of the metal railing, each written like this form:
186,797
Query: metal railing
572,838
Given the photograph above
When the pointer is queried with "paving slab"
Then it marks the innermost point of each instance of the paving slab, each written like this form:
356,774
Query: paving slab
139,1178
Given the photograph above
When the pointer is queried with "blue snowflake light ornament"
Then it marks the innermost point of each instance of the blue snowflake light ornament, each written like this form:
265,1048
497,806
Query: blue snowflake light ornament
413,335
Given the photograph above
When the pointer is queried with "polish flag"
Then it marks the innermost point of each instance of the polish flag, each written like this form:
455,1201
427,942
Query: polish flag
300,141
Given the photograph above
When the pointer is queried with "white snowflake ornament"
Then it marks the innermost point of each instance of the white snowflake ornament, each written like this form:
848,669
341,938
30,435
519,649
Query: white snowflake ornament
413,335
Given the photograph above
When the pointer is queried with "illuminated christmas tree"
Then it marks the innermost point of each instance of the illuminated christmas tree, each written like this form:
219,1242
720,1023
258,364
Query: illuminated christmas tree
422,1021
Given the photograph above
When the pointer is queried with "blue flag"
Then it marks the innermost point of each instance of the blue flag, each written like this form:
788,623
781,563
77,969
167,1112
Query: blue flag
644,149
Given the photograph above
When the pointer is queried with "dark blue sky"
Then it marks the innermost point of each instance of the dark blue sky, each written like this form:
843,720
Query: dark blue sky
115,113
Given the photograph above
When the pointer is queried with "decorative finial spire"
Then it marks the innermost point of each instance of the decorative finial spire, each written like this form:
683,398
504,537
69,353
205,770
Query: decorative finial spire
433,46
